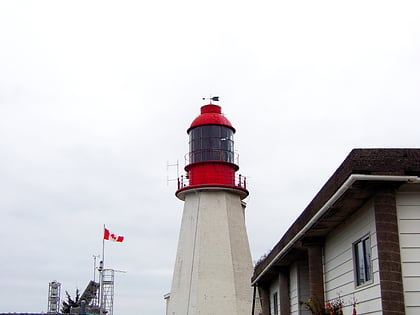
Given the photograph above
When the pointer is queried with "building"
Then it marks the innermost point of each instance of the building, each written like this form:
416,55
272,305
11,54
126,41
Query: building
213,264
357,243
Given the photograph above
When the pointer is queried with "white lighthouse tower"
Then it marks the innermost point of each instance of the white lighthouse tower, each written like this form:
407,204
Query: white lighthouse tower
213,264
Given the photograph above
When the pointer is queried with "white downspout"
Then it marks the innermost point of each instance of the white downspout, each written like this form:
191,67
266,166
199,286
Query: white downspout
350,180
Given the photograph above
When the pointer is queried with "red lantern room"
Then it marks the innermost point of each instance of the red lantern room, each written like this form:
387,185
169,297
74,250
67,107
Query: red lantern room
211,161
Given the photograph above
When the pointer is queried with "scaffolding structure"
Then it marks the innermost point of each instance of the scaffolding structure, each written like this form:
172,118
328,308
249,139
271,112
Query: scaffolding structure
107,291
54,289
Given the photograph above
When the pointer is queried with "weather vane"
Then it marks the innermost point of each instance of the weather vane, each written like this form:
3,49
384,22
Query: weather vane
211,98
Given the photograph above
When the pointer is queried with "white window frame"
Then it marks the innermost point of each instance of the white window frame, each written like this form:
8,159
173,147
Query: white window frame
362,261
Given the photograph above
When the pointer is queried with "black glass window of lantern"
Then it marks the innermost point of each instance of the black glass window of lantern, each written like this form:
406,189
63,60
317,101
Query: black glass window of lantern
211,143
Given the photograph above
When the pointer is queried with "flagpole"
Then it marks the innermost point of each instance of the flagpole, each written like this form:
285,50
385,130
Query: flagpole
104,298
103,246
101,275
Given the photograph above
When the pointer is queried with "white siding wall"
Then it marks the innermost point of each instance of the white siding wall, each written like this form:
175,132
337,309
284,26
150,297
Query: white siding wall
303,288
294,299
408,209
339,267
273,289
299,288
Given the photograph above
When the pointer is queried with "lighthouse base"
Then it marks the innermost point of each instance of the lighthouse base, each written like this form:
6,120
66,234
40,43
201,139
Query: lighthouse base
213,265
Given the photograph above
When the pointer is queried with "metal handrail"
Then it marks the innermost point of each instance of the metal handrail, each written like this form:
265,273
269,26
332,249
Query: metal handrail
239,182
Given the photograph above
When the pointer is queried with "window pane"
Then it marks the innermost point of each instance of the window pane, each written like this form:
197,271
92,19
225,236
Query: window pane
368,259
360,263
211,142
363,261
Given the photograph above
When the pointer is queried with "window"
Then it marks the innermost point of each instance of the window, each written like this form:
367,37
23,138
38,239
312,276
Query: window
362,261
275,304
211,143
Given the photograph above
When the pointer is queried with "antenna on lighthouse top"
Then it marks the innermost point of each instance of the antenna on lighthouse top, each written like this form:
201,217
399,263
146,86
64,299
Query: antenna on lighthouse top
211,98
170,179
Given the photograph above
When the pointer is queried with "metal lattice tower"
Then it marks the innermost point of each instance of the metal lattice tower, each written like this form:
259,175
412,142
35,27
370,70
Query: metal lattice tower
107,291
54,297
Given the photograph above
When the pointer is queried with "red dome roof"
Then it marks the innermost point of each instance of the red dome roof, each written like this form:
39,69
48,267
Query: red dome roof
211,114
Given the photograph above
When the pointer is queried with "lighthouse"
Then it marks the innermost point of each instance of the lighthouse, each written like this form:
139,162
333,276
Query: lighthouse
213,264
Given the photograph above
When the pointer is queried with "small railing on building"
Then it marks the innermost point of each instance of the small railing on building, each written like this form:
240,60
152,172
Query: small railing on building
239,182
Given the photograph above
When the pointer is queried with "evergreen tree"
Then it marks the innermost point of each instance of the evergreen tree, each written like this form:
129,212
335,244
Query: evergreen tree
66,307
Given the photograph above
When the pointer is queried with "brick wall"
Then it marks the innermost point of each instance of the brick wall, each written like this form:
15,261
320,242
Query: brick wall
389,252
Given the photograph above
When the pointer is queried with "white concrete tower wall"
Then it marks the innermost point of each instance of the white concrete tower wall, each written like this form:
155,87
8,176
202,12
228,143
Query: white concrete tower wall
213,267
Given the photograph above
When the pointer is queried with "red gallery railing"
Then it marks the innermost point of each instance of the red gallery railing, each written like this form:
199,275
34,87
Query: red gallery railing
239,182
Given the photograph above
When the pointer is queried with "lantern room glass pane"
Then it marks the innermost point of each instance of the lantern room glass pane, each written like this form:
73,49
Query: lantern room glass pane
211,143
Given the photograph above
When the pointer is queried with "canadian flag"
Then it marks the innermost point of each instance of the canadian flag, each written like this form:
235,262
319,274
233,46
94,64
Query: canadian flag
112,237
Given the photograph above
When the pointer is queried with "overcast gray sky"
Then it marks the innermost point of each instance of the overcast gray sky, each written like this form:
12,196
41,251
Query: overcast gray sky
96,97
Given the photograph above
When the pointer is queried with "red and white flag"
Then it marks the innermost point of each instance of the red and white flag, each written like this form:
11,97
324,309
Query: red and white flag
112,237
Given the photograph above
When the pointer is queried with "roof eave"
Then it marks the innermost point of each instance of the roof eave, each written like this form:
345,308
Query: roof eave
337,186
